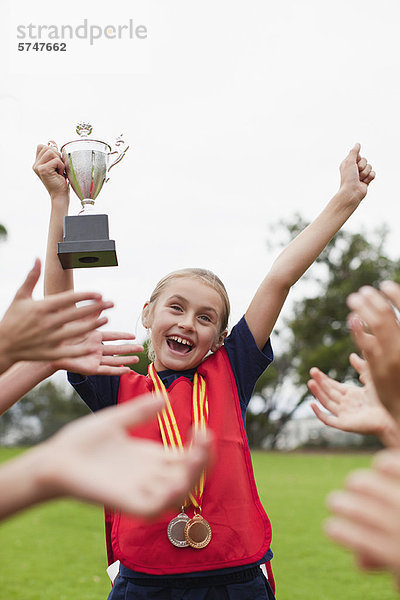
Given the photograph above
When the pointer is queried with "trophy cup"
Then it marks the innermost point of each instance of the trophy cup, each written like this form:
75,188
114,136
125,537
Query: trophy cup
87,163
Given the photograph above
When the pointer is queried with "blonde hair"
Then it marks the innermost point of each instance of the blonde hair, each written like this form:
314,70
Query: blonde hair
209,278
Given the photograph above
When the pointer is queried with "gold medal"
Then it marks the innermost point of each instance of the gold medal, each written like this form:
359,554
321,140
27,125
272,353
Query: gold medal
176,530
197,532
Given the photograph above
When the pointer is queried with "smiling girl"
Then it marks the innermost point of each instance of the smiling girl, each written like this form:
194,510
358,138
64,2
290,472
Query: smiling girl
214,546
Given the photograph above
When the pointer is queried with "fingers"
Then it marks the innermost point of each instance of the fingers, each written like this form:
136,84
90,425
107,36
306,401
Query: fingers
49,150
62,352
367,513
368,562
326,389
328,398
69,298
361,539
79,314
362,163
40,148
109,370
366,174
362,368
372,307
48,161
319,393
369,178
70,334
66,351
375,486
113,349
364,341
325,418
356,173
117,361
359,364
388,461
392,291
357,508
374,310
113,336
26,289
45,153
74,330
55,164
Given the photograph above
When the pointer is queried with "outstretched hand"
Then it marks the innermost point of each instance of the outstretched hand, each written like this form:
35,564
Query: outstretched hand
105,359
102,463
376,331
355,174
367,514
41,329
352,408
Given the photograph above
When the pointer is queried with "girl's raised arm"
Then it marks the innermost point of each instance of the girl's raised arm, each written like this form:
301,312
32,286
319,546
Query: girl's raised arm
355,176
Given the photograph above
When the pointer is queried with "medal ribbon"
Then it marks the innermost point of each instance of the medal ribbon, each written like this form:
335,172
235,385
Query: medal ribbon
169,429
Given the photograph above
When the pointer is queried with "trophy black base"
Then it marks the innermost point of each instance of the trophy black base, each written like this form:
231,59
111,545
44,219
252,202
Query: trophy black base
85,243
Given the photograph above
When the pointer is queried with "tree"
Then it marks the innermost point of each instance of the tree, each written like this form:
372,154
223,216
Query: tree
144,361
317,333
320,336
3,233
39,414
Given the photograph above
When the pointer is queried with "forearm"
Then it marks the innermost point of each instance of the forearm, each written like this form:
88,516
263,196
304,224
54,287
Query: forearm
5,358
292,263
23,481
300,254
56,279
19,379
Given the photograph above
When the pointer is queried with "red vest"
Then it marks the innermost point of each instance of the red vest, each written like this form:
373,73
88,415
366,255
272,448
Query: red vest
241,531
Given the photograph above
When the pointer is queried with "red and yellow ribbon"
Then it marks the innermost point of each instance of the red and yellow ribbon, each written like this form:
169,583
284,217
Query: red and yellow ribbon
169,429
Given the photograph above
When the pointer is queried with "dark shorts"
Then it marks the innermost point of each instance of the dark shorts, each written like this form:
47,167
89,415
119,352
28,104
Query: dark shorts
249,584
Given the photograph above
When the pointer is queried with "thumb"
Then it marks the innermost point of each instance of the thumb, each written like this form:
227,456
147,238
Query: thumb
354,152
362,368
26,289
358,363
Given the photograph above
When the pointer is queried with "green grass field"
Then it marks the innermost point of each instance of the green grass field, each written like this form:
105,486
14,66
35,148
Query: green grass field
56,551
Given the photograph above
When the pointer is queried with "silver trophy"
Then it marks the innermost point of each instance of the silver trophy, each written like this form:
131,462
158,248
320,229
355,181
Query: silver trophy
87,164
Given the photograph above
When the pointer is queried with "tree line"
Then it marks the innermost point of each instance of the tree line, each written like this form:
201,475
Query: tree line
314,334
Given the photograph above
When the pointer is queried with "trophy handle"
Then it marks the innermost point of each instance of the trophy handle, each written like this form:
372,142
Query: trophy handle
120,152
53,144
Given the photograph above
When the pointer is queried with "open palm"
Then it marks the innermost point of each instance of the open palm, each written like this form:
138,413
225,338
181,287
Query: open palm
351,407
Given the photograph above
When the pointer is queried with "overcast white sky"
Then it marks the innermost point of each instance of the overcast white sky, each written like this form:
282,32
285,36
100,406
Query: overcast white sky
237,113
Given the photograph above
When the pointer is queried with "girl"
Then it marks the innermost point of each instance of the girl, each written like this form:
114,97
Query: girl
214,547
